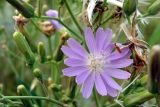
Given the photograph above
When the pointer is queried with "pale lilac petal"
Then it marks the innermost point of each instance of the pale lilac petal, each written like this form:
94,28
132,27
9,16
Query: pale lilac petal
120,63
76,47
56,24
82,77
88,86
117,73
109,34
70,53
111,91
90,40
100,38
109,49
100,86
73,71
74,62
111,82
116,55
54,13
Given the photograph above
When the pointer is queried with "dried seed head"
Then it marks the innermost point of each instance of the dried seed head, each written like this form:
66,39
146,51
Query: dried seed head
20,20
47,28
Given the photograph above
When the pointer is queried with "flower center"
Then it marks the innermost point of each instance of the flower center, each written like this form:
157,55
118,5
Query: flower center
97,62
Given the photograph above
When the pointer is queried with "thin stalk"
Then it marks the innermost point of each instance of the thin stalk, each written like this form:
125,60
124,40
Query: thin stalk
39,7
51,55
56,76
50,46
34,97
130,83
37,27
72,16
96,98
44,89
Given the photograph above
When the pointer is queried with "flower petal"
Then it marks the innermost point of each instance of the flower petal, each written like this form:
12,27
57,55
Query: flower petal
70,53
90,40
117,73
74,62
100,38
109,34
82,77
111,91
73,71
88,86
76,47
56,24
116,55
120,63
111,82
52,13
100,86
109,49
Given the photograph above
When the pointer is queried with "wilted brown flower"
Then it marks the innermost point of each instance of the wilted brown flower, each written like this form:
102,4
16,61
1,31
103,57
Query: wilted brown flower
47,28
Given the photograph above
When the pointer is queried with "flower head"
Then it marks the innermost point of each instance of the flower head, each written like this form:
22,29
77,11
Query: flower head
54,13
99,65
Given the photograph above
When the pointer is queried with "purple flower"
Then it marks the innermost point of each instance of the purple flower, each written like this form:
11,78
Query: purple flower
98,66
54,13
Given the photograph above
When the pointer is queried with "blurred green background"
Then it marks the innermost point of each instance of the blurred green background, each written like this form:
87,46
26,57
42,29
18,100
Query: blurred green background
13,70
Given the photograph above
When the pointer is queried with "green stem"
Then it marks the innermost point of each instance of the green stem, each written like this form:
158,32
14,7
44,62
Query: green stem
72,16
96,98
50,46
51,55
37,27
39,2
34,97
61,22
44,89
56,76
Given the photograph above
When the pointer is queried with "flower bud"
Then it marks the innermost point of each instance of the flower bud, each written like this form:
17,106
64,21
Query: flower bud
23,7
22,91
129,6
154,70
66,99
24,47
37,73
154,8
41,52
55,87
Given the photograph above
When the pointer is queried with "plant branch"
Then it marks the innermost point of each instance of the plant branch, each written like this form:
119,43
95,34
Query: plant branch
34,97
